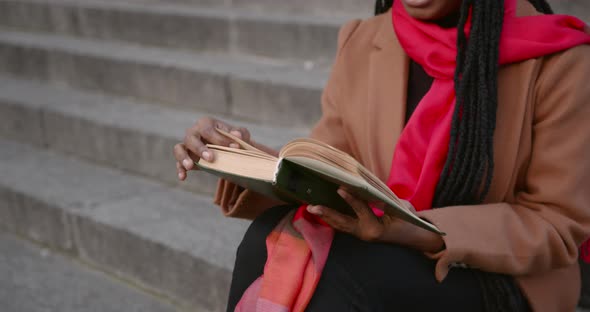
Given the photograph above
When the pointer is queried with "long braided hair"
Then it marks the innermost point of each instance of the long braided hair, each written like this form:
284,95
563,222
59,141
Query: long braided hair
467,174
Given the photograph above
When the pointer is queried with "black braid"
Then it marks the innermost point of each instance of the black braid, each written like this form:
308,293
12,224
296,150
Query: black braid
382,6
542,6
467,174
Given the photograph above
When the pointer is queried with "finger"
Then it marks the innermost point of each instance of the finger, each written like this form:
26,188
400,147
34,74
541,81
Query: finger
225,127
335,219
182,156
361,208
241,133
209,134
181,172
221,125
195,145
180,152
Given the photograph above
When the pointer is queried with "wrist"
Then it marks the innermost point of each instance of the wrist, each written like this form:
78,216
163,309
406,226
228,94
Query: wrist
425,241
406,234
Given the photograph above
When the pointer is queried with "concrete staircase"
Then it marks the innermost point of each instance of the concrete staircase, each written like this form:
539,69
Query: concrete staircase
36,279
95,93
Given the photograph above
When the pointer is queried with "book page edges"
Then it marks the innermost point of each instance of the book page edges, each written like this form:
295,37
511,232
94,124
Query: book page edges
243,144
230,161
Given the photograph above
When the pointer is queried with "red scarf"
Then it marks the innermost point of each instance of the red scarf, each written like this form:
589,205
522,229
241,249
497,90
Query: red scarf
422,148
298,247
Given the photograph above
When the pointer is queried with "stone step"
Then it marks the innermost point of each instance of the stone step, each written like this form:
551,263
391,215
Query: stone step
361,8
35,279
165,240
579,8
275,93
117,132
358,8
180,26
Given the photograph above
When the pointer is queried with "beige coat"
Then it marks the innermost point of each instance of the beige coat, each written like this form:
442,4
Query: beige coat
538,210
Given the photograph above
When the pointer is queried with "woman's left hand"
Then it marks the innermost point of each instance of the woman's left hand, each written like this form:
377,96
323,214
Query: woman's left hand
369,227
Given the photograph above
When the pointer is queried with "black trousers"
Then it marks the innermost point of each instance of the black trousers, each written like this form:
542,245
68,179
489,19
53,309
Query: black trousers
362,276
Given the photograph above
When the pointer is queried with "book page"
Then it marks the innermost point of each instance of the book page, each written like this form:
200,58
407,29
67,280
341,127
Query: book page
249,153
323,152
244,163
243,144
320,151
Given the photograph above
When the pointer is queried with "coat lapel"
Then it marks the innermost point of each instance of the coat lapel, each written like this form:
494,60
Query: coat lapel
513,133
388,81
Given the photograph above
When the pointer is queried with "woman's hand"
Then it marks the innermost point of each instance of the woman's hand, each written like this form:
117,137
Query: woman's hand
194,145
369,227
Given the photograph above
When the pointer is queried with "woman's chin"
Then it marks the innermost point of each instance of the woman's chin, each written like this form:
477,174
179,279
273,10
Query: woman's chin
430,9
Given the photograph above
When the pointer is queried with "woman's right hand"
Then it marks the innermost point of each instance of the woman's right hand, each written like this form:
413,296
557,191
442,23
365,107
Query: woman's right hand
194,145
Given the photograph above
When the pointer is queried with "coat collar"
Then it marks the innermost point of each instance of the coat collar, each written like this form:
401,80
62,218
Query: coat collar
388,78
385,37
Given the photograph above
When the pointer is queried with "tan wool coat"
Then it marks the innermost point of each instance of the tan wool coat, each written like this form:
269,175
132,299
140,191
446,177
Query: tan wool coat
538,210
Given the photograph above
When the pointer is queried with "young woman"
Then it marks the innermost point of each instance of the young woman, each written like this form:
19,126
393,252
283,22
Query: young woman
475,111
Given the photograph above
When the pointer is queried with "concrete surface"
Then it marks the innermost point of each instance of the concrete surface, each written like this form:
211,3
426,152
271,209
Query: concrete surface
172,25
172,241
34,279
307,7
122,133
278,94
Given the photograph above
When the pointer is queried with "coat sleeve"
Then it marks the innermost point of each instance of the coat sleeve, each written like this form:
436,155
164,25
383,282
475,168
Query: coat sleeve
550,217
237,202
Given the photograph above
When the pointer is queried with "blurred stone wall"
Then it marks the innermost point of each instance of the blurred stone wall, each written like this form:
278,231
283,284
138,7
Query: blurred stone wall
579,8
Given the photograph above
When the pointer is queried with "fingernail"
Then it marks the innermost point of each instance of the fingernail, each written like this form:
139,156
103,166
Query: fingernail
316,210
180,176
237,133
234,145
206,155
342,193
187,163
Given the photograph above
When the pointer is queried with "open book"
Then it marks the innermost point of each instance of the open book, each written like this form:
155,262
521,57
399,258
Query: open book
306,171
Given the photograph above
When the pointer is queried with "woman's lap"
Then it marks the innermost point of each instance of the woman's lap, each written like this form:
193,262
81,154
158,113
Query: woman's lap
362,276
